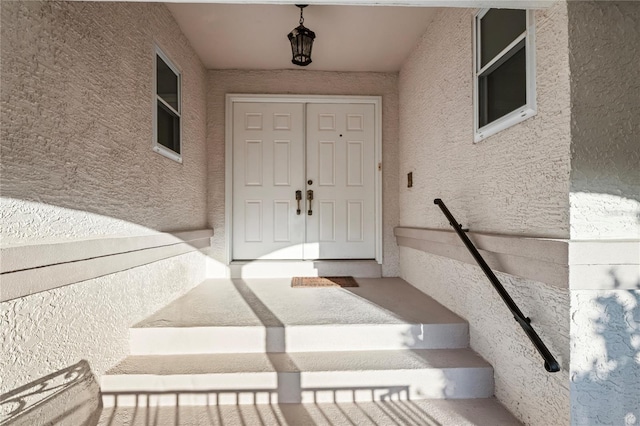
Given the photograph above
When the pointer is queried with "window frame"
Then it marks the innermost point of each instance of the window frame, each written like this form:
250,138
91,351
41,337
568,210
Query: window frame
158,147
522,113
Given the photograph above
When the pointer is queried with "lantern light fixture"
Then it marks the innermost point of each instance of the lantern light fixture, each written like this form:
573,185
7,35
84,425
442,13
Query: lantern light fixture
301,39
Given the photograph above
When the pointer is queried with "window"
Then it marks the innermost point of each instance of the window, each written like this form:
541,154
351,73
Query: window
504,70
167,127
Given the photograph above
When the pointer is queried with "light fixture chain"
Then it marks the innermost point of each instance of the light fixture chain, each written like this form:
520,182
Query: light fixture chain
301,17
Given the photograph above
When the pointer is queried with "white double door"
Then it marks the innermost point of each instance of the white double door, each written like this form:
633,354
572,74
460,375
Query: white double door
323,154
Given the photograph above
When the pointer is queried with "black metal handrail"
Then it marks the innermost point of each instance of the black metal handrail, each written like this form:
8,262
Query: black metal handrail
550,363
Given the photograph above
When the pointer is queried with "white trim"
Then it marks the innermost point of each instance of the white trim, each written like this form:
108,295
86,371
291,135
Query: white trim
503,123
530,46
562,263
35,268
502,55
156,147
232,98
526,111
538,259
305,268
379,170
31,256
169,153
228,190
159,98
310,99
512,4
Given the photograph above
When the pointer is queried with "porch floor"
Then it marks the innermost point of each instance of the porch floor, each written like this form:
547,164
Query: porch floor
470,412
273,303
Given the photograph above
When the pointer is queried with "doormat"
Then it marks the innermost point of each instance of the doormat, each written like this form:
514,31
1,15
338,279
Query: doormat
323,282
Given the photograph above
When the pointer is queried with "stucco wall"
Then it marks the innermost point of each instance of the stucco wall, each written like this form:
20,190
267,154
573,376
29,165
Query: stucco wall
605,204
521,382
306,83
51,330
605,357
76,103
515,182
77,163
605,125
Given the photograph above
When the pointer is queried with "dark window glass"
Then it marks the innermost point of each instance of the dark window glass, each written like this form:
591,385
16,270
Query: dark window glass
503,89
168,128
167,83
498,29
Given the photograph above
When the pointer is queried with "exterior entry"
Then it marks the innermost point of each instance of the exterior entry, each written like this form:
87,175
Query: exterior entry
303,181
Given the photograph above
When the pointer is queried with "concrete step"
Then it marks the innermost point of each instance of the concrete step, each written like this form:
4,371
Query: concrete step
305,377
356,337
305,268
267,315
462,412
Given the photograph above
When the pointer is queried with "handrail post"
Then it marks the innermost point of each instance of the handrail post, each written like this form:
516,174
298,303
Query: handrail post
550,363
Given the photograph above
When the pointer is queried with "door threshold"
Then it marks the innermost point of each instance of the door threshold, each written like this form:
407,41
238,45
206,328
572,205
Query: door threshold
358,268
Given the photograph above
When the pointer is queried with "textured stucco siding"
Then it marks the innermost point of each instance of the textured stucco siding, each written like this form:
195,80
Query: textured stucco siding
304,82
515,182
521,382
605,204
51,330
605,126
77,163
605,357
76,104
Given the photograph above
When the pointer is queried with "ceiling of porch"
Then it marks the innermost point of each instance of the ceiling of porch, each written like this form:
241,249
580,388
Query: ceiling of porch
348,38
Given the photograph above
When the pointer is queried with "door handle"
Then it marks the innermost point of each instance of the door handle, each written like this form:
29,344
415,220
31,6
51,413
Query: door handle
298,198
310,199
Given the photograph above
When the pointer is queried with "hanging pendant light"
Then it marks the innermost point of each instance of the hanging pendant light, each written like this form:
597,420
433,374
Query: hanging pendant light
301,39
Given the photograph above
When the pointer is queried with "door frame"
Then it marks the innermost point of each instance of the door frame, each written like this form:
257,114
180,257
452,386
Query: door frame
232,98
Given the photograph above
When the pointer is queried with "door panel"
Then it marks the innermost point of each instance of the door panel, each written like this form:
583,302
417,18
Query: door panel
268,168
327,163
341,164
355,221
282,163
